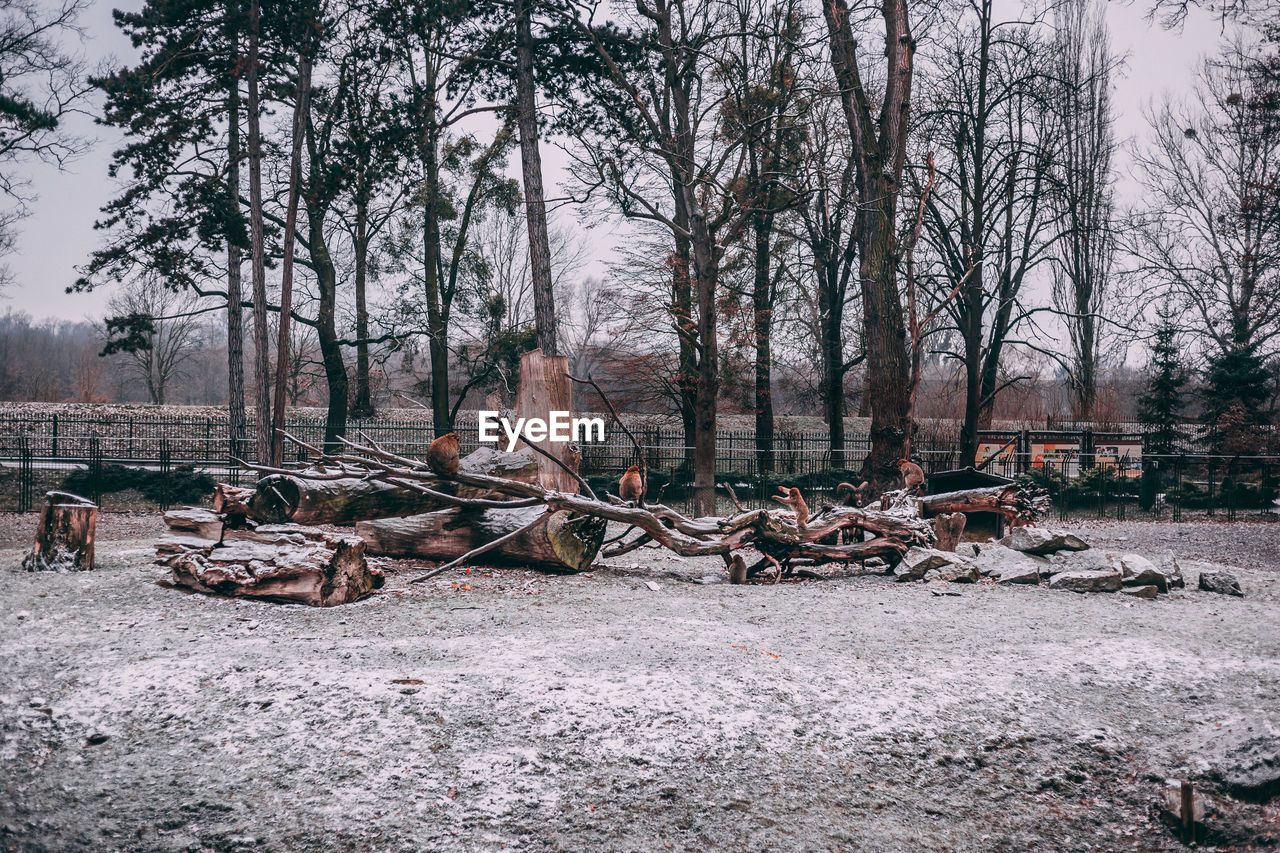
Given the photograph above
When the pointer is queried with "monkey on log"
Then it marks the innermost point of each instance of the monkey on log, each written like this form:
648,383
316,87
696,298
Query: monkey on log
631,486
442,455
795,501
912,476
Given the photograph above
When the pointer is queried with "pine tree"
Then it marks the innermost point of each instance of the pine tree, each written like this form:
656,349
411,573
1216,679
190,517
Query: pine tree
1161,404
1237,386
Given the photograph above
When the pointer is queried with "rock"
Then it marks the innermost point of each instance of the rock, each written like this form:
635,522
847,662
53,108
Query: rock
1151,591
653,587
1139,571
1173,572
968,549
919,561
1086,581
1038,540
1092,560
1220,582
1245,758
1020,572
994,560
964,572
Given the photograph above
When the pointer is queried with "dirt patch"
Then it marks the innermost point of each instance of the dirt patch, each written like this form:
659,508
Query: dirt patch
496,710
18,529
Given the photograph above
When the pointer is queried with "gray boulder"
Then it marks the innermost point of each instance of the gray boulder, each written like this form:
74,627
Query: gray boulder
1020,572
963,572
1092,560
1139,571
994,560
1086,581
1220,582
1038,540
920,561
968,549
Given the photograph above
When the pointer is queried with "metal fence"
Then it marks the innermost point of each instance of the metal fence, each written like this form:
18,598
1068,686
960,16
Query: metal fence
156,462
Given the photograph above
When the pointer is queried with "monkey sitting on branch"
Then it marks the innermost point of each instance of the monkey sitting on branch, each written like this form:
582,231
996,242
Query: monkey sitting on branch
442,455
631,486
795,502
912,477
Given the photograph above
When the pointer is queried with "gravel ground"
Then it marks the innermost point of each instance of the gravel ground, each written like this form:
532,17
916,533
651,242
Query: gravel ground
510,710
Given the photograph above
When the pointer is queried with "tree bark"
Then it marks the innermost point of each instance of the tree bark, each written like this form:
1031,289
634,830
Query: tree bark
535,206
296,499
544,388
261,342
237,421
64,536
363,406
762,318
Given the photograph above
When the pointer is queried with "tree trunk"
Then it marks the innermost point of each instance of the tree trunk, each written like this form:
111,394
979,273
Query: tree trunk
560,543
286,267
544,388
281,498
535,207
237,421
335,369
879,157
261,343
64,536
363,406
762,317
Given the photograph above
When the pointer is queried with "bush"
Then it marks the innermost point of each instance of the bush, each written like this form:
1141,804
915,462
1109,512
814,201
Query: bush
180,485
1149,489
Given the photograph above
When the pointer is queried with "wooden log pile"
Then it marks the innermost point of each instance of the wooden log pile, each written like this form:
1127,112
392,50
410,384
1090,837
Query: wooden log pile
271,562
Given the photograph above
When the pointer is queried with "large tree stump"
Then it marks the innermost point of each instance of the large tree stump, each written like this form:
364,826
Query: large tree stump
561,543
64,536
947,529
284,563
544,388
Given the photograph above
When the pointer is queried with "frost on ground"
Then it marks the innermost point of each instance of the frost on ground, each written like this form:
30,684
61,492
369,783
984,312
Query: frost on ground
511,710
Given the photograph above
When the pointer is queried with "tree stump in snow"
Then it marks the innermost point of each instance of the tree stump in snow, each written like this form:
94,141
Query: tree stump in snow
64,536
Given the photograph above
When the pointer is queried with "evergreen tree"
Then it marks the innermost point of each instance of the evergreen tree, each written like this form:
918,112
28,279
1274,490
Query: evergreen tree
1161,404
1237,388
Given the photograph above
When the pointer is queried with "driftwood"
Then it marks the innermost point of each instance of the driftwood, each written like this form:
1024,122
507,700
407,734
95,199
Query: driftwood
64,535
1018,505
283,563
549,540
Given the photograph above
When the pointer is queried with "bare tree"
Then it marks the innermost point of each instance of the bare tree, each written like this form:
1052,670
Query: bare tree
657,158
988,221
165,342
41,83
879,140
1082,189
1207,230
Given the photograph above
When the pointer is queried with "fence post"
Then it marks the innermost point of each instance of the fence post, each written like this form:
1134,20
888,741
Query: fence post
1177,478
54,452
26,475
166,494
1209,500
95,469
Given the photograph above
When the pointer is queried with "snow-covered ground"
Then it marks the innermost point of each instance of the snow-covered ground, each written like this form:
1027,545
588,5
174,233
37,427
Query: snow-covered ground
505,709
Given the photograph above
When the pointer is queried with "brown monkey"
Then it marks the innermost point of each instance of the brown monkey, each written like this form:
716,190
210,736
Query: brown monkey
912,476
631,487
795,501
737,569
442,455
853,495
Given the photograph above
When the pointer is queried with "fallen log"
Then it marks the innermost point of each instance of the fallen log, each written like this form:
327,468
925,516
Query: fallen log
557,540
64,535
1016,504
231,500
195,521
288,563
337,497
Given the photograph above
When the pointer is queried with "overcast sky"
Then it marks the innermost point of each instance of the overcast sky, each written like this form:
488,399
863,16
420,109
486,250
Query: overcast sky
59,235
